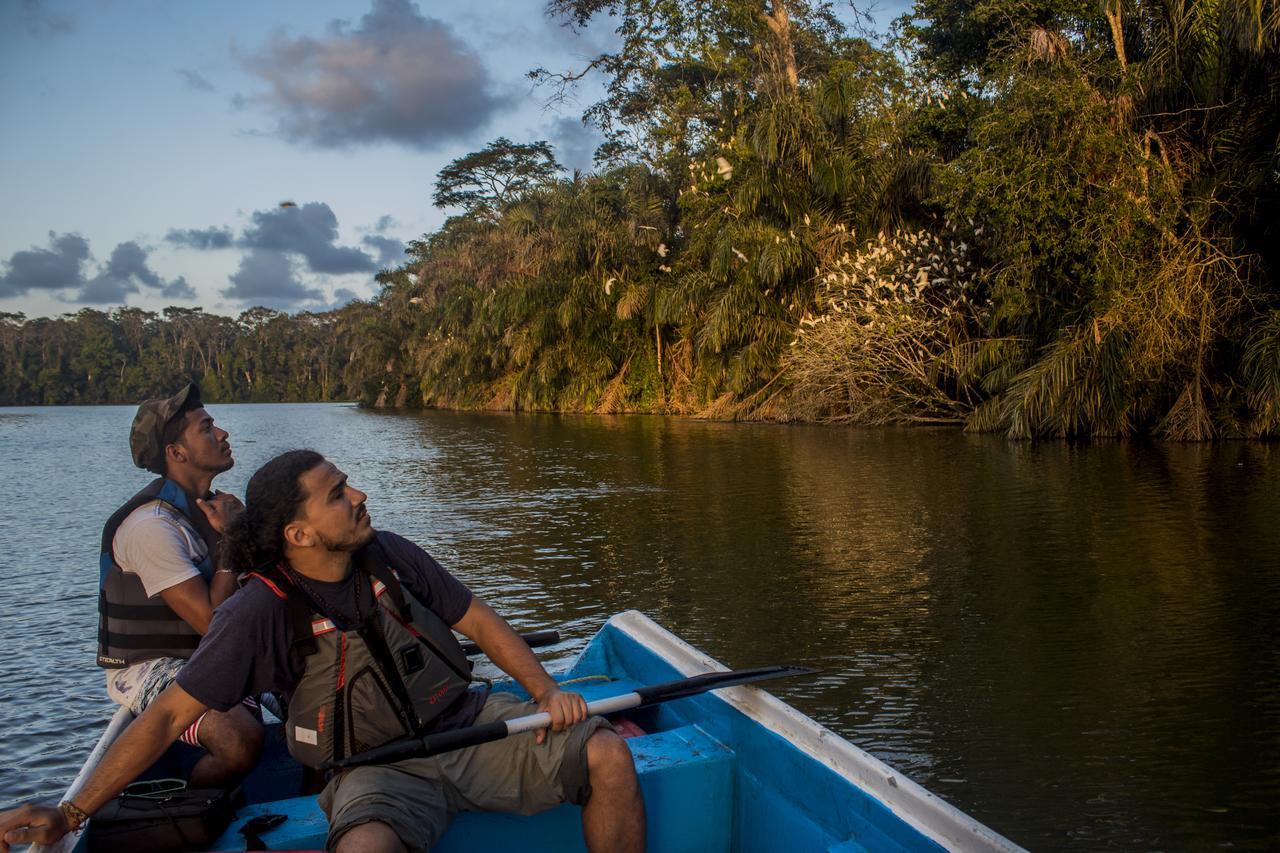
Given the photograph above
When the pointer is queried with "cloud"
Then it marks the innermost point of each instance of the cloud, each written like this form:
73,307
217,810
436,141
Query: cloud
390,250
195,80
540,34
125,272
41,23
384,223
55,268
268,278
575,142
283,241
310,230
61,268
396,77
200,238
342,297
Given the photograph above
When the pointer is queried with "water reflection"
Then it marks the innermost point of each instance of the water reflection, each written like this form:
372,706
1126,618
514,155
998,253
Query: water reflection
1077,644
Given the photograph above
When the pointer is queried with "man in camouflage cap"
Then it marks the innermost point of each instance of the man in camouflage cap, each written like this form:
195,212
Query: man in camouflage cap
160,579
147,436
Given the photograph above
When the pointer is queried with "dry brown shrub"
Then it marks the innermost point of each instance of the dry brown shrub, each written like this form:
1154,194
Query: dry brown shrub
502,394
615,393
679,367
1046,46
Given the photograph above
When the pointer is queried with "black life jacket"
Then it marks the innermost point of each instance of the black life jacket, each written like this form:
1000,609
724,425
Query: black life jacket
131,626
373,683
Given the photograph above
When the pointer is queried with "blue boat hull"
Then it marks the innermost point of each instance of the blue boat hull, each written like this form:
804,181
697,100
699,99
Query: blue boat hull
734,770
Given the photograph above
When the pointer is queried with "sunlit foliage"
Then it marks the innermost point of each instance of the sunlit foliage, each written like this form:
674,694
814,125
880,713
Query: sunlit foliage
1037,218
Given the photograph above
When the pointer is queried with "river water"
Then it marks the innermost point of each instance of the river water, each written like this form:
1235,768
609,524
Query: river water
1077,644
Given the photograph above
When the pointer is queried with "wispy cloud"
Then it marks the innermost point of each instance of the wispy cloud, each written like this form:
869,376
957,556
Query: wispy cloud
195,80
37,21
201,238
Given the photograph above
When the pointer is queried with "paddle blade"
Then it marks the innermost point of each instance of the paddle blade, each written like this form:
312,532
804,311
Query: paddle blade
694,685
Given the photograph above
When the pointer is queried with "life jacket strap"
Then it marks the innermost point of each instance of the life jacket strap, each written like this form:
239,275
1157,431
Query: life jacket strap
302,641
177,642
376,562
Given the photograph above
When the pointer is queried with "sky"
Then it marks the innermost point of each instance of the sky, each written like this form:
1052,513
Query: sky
148,145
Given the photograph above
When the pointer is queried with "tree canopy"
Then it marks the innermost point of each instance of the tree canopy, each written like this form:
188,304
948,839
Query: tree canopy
496,175
1036,218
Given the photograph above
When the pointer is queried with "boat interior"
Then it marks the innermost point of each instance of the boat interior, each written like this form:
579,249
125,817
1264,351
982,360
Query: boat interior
713,779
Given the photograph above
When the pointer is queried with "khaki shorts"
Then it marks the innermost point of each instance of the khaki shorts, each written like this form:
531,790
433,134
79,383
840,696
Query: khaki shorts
419,797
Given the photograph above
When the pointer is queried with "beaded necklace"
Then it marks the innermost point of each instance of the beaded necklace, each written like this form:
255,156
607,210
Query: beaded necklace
317,601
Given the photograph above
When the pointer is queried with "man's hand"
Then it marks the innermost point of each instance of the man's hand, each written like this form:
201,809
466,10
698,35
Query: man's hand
134,751
221,510
31,825
504,647
566,709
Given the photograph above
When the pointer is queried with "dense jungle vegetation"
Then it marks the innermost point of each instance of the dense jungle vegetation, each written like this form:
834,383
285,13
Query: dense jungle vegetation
128,355
1027,216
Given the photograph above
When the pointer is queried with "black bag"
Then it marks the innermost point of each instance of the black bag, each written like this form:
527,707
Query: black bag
163,815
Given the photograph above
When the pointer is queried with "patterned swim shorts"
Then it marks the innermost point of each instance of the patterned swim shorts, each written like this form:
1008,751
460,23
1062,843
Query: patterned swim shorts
135,687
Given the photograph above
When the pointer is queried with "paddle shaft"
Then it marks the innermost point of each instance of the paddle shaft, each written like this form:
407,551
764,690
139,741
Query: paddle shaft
534,640
441,742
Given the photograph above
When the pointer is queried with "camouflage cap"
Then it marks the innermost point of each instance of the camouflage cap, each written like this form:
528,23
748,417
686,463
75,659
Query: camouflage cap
146,438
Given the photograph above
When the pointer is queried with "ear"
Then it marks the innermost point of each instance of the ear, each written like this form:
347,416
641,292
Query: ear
175,453
298,535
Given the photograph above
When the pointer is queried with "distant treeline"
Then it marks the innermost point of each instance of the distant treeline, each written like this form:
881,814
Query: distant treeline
129,354
1027,216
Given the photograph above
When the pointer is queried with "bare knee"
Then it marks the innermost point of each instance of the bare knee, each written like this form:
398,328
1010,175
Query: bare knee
371,837
609,758
234,737
613,817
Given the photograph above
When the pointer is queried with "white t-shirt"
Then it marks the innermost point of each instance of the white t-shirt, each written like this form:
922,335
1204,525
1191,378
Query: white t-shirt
158,545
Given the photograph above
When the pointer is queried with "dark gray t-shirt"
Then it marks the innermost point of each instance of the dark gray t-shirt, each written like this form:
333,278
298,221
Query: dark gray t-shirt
246,651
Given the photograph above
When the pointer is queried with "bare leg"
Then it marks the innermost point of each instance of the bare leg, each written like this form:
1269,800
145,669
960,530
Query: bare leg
233,740
371,837
613,819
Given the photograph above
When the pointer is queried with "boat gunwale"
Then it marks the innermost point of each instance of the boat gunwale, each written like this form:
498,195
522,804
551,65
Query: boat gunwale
119,721
918,807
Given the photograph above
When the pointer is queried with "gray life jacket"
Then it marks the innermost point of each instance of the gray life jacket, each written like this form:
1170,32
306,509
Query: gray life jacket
131,626
372,683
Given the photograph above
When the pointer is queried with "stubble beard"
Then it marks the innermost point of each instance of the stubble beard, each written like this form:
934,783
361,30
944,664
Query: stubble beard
221,468
348,544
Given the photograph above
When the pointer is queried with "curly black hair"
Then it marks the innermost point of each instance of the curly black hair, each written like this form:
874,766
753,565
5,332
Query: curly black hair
255,539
